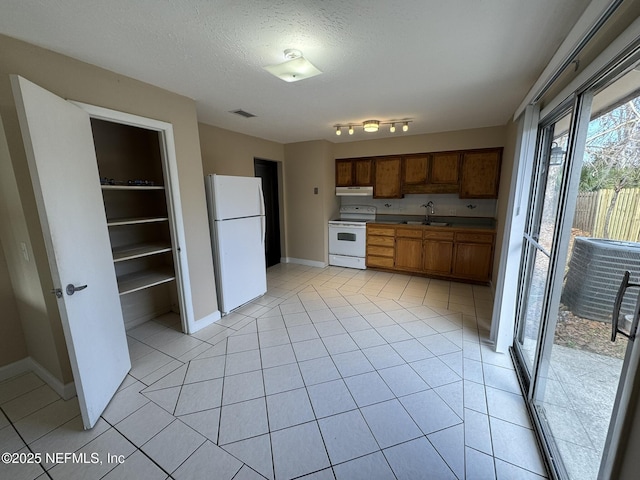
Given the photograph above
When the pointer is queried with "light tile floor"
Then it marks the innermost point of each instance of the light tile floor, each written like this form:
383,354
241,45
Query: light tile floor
334,373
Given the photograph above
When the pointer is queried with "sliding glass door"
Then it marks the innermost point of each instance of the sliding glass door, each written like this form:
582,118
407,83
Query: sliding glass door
582,234
549,179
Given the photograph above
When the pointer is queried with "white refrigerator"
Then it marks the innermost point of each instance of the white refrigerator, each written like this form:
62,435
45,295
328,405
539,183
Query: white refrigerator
237,223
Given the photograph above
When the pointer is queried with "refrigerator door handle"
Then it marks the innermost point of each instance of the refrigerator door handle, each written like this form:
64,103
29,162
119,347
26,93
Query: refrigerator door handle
262,208
263,225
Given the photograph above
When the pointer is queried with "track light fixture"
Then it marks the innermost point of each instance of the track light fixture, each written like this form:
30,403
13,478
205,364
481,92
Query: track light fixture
372,126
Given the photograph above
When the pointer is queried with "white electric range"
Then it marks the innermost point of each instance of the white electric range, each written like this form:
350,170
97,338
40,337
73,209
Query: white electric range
348,236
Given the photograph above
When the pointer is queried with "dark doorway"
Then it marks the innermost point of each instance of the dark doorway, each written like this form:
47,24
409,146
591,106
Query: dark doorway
268,172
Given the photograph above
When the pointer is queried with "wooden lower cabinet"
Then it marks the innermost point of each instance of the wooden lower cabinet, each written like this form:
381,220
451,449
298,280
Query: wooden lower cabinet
473,255
473,261
409,253
380,246
448,253
437,256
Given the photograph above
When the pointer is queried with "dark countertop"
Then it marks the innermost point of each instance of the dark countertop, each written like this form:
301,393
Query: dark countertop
452,222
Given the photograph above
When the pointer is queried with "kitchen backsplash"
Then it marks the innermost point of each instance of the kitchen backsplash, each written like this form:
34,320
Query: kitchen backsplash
444,205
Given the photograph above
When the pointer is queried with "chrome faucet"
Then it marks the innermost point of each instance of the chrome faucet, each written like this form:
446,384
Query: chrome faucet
430,205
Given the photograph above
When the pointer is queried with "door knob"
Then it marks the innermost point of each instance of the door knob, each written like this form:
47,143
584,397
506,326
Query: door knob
71,289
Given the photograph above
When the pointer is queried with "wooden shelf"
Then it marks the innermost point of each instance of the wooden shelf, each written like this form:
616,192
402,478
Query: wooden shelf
134,282
130,252
132,187
114,222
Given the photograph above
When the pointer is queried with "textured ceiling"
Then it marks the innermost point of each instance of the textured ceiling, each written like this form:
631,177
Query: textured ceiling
446,65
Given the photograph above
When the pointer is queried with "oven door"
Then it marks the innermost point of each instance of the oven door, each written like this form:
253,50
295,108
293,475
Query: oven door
348,239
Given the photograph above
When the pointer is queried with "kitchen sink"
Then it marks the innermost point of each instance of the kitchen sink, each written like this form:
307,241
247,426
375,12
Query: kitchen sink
431,224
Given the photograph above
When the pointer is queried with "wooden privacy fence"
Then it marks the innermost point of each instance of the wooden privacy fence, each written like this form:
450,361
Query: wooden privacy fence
624,224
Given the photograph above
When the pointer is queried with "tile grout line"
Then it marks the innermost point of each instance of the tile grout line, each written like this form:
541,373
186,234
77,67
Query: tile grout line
26,445
138,448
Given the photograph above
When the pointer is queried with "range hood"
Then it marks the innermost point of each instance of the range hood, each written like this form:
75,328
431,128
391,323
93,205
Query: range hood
354,191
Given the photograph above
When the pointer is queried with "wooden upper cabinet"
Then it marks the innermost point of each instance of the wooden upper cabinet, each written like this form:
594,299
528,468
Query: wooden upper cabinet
415,169
444,169
354,172
344,172
363,172
387,177
470,173
431,173
480,173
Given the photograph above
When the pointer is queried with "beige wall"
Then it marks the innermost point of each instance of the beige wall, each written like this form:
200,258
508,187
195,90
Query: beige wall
12,346
309,165
508,158
79,81
430,142
229,153
37,333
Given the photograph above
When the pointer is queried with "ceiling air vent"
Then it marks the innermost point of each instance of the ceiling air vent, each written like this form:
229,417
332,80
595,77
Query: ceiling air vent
242,113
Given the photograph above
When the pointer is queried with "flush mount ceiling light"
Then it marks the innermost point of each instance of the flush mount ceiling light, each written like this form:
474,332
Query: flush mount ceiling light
295,68
372,126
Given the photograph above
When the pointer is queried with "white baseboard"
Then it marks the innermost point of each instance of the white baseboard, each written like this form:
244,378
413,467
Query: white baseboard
302,261
66,391
16,368
205,321
28,364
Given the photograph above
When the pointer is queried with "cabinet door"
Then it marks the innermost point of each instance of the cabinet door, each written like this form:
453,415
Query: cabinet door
444,169
408,253
363,169
437,256
344,172
415,170
480,174
387,183
62,164
473,261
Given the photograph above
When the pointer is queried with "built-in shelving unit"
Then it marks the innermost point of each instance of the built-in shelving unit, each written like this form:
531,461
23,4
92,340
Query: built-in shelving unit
131,252
135,200
119,222
137,281
133,187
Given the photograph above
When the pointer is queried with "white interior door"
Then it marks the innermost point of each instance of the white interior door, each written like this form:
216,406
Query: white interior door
62,163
